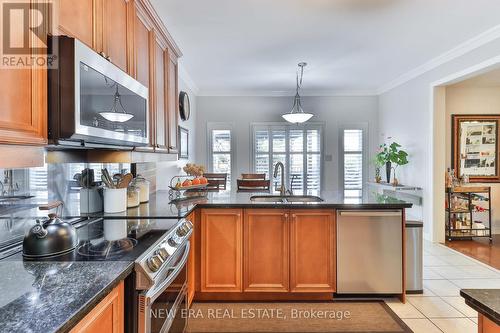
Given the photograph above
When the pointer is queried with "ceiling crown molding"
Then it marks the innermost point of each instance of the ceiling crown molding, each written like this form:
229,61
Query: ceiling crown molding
458,51
289,93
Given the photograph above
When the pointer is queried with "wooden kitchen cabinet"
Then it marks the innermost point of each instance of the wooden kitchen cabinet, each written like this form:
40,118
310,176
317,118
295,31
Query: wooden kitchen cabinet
117,32
23,101
107,316
160,92
144,62
266,250
221,250
76,19
191,265
312,251
172,102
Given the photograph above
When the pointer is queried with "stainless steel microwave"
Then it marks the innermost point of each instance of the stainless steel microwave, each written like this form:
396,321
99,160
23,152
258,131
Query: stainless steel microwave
93,103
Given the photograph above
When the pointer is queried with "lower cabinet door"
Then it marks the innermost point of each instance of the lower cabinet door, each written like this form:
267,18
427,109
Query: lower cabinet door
265,250
107,316
312,251
221,250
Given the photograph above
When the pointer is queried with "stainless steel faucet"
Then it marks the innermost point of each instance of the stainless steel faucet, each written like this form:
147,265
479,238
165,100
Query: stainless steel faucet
277,167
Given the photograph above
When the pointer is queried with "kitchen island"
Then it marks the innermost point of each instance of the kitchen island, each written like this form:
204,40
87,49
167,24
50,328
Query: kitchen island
241,250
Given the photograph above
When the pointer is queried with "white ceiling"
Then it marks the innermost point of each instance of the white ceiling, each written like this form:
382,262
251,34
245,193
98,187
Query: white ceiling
245,47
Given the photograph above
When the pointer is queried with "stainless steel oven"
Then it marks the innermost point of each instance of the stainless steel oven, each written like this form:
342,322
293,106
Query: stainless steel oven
93,102
161,281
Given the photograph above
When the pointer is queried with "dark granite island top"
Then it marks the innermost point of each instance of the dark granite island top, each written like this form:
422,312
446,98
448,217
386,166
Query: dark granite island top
160,205
484,301
53,296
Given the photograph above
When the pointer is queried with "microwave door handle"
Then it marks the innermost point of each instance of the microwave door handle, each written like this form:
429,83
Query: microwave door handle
153,294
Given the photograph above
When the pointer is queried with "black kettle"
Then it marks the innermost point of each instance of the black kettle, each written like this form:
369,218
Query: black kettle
48,238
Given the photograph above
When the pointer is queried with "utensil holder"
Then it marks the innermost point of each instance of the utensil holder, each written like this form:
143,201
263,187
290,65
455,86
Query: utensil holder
90,200
115,200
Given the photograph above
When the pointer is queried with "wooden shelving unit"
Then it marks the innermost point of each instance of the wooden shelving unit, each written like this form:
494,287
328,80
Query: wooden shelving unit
468,208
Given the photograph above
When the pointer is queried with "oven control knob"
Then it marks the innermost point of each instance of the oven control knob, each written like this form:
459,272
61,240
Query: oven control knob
154,263
162,252
184,229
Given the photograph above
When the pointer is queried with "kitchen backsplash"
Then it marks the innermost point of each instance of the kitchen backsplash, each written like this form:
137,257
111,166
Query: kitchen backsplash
23,191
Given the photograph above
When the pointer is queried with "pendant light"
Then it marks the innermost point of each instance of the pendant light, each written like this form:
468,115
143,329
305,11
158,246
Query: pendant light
297,114
114,115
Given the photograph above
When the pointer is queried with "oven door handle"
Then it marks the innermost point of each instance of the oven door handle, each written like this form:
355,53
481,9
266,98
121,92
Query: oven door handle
153,294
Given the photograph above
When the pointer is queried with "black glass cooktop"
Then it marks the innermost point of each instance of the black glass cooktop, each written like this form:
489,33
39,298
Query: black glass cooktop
112,240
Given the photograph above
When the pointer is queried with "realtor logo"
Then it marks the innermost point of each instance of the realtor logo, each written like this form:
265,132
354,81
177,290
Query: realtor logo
25,28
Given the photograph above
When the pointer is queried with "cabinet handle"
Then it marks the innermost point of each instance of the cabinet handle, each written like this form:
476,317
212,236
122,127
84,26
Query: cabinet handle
171,147
294,217
285,216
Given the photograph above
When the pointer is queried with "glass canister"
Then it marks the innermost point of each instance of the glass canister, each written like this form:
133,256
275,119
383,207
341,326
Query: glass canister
143,185
133,196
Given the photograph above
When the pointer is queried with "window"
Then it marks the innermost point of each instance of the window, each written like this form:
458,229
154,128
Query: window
220,152
353,164
298,148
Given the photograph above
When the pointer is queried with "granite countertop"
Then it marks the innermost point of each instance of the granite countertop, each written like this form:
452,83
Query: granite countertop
484,301
160,206
54,296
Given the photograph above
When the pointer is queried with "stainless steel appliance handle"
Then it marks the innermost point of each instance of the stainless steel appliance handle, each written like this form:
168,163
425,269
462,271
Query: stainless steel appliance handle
374,213
154,293
167,324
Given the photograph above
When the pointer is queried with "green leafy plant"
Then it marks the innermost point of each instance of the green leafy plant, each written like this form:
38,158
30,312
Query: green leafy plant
393,154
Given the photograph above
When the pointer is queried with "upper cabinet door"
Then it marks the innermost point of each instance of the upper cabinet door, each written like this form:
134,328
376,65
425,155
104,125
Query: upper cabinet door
159,92
312,251
143,69
116,41
173,103
23,101
76,19
265,250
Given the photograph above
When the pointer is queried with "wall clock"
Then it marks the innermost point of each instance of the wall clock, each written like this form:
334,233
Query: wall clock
184,107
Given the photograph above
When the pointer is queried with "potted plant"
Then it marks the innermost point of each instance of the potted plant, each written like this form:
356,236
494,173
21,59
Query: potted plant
390,154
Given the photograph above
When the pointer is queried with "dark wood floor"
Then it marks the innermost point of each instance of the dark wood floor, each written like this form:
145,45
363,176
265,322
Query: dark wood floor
479,249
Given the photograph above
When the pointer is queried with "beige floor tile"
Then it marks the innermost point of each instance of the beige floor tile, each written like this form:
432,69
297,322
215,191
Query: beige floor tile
478,272
421,326
430,273
442,287
457,259
459,304
450,272
434,307
477,283
455,325
474,319
431,260
404,310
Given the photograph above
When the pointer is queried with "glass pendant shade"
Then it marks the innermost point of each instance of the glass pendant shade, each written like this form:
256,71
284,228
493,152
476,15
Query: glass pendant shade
114,115
297,114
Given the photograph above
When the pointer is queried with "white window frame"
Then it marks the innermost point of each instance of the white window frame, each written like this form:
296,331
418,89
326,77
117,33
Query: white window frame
364,128
211,126
269,126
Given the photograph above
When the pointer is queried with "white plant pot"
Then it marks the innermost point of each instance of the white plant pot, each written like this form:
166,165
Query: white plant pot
115,200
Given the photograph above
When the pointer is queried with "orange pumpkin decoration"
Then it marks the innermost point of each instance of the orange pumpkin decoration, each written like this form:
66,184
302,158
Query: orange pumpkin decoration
196,181
203,180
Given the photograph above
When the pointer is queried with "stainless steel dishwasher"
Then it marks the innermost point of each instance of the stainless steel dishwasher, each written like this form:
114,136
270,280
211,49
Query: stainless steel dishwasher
369,252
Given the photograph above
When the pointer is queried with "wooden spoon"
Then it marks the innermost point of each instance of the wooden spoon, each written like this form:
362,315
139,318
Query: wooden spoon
125,180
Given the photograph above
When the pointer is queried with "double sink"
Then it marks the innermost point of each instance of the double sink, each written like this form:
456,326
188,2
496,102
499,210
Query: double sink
285,198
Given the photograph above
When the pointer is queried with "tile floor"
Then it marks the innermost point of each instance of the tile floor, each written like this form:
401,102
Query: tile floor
441,309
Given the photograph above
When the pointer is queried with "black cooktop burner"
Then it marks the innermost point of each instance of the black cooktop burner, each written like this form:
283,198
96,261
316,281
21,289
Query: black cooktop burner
130,239
106,249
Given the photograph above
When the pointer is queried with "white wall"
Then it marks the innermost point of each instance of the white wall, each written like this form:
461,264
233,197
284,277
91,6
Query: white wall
242,111
473,100
166,170
406,114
